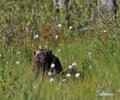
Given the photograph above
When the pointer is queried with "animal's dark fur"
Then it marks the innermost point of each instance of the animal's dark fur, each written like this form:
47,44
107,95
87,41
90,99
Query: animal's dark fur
43,59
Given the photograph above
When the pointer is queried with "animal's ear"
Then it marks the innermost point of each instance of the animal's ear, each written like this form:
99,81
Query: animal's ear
34,52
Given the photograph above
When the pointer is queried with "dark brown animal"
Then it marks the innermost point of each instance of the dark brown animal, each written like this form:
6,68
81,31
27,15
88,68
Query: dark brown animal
43,59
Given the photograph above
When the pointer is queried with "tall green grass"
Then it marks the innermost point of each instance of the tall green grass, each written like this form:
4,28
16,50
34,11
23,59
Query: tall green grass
95,50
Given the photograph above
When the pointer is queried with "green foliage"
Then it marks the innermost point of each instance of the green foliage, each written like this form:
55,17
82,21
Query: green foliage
27,25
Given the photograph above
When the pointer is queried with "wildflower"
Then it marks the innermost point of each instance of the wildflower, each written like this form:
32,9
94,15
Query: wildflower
70,27
70,66
104,31
77,75
0,55
114,54
19,52
105,94
51,80
90,66
63,80
68,75
40,46
89,54
114,35
52,65
56,36
74,64
58,50
59,25
49,73
36,36
17,62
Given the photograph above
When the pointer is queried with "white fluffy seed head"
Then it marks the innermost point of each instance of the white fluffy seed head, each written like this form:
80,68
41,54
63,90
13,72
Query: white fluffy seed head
70,27
36,36
52,65
19,52
89,54
77,75
40,46
74,64
51,80
90,66
114,54
56,36
104,31
59,25
63,80
17,62
58,50
49,73
70,66
114,35
68,75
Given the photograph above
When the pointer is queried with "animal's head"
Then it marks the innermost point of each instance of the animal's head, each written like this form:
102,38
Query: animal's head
42,55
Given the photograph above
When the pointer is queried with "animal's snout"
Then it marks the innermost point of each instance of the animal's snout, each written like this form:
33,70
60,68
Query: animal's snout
42,57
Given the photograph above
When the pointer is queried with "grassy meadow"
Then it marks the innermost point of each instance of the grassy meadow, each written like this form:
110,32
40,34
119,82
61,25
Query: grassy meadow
92,45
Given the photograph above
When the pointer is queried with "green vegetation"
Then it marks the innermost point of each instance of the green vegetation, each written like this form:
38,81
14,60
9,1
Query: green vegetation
27,25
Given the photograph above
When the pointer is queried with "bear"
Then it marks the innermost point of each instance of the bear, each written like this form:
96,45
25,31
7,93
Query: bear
43,59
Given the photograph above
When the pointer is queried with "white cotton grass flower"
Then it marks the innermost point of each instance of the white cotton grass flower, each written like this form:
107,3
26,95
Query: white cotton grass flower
90,66
74,64
68,75
77,75
70,27
58,50
59,25
40,46
56,36
52,65
89,54
70,66
19,52
17,62
63,80
114,54
104,31
114,35
51,80
103,93
49,73
36,36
